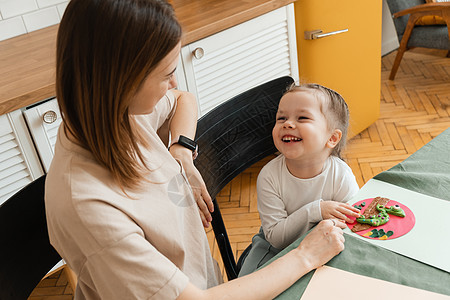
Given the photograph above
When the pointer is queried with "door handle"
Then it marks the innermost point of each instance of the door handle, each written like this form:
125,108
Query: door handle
317,34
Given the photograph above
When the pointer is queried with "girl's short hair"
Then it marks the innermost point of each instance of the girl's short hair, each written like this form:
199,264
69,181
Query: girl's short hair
105,50
333,106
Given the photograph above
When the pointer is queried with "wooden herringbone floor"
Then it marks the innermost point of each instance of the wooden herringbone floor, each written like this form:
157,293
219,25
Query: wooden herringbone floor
414,109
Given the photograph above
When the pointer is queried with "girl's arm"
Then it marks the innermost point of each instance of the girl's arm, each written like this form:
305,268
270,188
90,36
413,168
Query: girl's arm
281,229
345,188
184,122
323,243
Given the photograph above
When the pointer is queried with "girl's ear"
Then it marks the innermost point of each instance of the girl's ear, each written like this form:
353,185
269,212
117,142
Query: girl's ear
334,138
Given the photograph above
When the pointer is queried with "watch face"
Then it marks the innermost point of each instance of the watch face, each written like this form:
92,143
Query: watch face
187,142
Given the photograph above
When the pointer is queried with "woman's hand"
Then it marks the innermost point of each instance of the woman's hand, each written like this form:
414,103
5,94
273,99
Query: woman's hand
324,242
204,201
338,210
201,195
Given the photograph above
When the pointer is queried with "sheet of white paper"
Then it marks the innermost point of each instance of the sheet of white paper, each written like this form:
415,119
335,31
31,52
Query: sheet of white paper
349,286
429,240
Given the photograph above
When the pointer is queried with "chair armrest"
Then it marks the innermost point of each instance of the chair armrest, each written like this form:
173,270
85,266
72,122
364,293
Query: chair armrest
436,9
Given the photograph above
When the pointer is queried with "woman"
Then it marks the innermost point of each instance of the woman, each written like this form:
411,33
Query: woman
122,209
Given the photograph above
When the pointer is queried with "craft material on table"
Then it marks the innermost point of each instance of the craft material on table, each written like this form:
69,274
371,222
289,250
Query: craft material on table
395,226
428,240
349,286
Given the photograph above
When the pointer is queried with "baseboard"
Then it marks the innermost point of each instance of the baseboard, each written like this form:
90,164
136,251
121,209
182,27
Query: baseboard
389,46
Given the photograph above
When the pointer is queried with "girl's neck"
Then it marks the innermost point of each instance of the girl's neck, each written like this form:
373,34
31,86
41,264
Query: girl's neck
305,169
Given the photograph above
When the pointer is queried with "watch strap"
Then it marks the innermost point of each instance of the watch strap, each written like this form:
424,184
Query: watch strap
187,143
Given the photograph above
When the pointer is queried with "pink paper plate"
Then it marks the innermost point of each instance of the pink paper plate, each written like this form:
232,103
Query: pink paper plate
396,227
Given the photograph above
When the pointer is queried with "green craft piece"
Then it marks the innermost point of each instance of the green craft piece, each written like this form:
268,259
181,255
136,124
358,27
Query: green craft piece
374,234
395,210
382,217
375,220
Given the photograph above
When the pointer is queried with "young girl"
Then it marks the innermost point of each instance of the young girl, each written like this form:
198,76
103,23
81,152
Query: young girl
308,182
122,209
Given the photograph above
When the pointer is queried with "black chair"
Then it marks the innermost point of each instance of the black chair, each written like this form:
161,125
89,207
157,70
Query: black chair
406,13
25,252
232,137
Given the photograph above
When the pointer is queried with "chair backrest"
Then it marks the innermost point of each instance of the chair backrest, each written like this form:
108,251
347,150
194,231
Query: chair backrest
26,254
399,5
232,137
431,36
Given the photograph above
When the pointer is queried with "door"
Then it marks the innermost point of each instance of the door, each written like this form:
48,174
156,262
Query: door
348,62
43,120
19,163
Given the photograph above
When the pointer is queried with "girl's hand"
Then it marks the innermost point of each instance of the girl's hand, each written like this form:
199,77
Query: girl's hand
338,210
324,242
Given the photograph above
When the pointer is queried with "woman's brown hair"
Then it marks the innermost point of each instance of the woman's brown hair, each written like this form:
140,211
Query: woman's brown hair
105,50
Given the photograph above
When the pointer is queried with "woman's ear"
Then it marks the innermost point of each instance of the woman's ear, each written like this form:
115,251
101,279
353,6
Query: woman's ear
334,138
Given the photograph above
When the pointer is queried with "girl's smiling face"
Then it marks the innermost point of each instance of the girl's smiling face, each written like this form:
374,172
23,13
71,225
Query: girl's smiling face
301,130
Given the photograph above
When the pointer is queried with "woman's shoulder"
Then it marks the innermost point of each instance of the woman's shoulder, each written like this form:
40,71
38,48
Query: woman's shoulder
78,191
73,173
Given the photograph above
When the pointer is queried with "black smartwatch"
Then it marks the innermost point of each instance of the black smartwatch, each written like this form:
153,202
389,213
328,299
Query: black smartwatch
187,143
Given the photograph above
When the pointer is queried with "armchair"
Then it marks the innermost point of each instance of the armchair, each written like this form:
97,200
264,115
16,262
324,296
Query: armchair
26,254
412,35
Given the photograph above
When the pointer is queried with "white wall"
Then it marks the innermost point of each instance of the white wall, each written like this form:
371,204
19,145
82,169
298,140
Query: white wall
21,16
389,40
